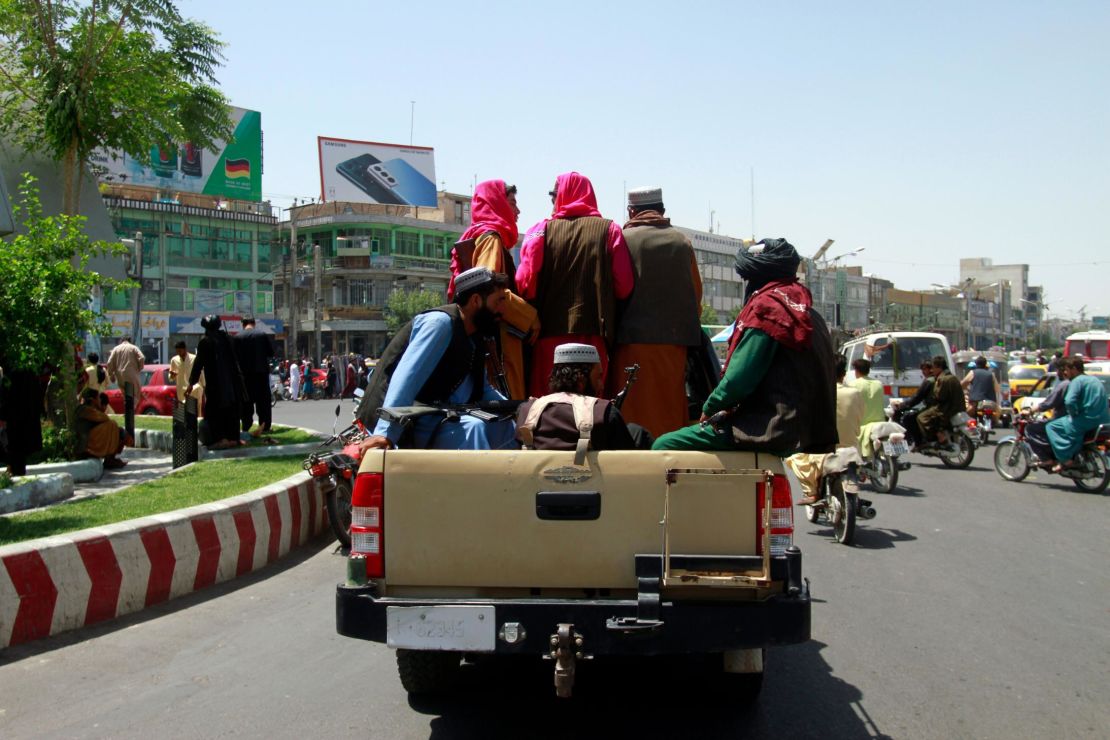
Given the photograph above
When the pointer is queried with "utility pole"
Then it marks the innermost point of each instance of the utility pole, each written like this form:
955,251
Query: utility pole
136,308
290,287
318,259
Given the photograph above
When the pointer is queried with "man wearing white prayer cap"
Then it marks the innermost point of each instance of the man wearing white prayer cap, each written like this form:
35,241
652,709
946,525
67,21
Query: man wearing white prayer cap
571,417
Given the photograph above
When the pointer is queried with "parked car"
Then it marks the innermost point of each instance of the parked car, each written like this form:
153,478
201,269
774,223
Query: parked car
156,397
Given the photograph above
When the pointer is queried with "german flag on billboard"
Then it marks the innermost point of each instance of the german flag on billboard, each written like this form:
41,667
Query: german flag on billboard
237,168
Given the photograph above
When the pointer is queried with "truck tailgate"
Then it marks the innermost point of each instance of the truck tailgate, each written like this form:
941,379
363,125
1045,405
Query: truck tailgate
496,519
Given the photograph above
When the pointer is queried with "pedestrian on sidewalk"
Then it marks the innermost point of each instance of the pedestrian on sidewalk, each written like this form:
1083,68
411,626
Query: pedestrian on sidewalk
255,349
295,380
98,436
181,364
224,389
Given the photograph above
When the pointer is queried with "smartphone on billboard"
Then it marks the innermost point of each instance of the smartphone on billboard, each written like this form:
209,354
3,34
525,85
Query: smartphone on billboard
406,181
357,171
163,160
191,160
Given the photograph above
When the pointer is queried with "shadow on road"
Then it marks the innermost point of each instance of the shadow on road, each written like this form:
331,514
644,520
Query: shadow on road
662,697
292,560
868,537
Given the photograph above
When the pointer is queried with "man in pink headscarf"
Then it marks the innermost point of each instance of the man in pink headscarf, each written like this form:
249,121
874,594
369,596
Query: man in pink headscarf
486,243
574,267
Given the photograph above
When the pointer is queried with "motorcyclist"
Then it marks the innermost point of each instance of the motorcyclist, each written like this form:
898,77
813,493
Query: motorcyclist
874,407
981,385
948,397
906,411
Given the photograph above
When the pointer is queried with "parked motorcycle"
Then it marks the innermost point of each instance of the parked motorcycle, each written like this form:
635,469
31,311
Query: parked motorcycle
888,444
278,390
1014,458
840,505
334,472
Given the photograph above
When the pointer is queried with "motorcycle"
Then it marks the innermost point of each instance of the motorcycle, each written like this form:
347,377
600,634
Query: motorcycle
840,505
888,444
983,423
1014,458
957,452
334,472
278,391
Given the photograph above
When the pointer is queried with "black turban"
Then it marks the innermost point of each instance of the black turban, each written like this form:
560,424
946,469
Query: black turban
778,260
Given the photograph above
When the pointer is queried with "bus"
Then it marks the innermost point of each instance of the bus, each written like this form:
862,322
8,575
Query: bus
1093,345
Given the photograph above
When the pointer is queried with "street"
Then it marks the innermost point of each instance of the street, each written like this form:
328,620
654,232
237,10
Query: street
969,607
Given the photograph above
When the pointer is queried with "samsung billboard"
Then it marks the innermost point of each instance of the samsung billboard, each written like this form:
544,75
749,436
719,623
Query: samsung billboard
229,169
370,172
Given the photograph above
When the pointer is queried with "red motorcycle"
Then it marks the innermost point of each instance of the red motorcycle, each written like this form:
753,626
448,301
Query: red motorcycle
334,472
1014,458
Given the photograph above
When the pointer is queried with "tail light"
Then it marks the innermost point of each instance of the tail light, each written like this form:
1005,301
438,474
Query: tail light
319,470
367,511
782,516
887,390
988,412
972,424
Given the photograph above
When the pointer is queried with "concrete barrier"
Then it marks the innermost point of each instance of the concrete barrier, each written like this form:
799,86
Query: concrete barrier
33,491
55,584
82,471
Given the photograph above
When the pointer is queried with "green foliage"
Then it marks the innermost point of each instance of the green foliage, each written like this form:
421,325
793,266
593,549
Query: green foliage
76,76
402,305
45,288
58,445
5,479
198,484
709,315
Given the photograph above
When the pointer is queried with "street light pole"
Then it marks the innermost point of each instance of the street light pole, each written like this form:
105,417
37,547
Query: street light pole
137,304
318,261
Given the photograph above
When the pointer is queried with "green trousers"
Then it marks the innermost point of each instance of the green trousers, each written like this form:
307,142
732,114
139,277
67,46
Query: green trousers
695,437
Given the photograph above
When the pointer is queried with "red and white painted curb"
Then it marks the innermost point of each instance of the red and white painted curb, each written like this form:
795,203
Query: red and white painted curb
56,584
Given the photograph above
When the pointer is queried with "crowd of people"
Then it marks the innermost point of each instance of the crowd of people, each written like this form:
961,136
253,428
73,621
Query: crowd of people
336,376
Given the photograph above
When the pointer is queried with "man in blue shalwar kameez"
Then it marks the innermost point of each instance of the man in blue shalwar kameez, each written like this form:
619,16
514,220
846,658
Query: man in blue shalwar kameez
438,360
1086,403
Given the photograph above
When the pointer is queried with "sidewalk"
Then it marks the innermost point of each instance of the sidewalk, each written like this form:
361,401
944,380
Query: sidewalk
142,465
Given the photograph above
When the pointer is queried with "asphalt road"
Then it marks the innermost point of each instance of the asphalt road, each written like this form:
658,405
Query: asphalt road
969,608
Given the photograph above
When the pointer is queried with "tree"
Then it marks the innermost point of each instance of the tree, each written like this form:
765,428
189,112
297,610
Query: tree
45,290
402,305
709,315
77,76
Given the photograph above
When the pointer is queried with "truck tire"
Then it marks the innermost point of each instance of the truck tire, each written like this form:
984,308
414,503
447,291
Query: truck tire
427,671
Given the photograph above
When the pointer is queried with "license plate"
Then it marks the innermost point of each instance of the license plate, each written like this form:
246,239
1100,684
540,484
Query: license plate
906,391
895,449
470,629
987,424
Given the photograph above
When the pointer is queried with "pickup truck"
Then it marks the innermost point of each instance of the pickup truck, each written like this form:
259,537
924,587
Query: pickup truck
568,556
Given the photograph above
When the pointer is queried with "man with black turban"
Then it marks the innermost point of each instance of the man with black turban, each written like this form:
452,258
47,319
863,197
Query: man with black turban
777,389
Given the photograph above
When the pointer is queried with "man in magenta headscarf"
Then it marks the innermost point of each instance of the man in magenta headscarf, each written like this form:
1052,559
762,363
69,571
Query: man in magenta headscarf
493,233
574,267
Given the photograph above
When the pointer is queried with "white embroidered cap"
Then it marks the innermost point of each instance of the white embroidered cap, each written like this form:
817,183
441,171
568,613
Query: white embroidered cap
645,196
576,353
472,278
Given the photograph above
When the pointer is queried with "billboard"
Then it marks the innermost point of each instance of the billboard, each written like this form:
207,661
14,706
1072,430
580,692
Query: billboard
369,172
230,170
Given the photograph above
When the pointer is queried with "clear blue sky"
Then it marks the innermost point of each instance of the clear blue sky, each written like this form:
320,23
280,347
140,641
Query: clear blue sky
923,132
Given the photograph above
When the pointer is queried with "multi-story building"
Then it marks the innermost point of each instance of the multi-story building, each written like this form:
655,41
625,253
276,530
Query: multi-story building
983,271
366,252
842,295
200,256
721,288
912,310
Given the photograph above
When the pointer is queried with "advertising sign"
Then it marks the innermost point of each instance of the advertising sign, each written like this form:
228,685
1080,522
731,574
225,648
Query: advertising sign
369,172
232,170
232,325
154,323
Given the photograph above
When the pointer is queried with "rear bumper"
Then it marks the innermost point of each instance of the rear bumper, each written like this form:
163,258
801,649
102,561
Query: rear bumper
608,626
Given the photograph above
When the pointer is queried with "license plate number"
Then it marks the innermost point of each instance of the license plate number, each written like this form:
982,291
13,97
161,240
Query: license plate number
895,449
463,628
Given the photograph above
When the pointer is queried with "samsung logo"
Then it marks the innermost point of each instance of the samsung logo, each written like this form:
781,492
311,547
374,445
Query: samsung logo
335,143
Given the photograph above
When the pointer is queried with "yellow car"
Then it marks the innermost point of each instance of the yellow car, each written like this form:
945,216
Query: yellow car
1035,394
1023,378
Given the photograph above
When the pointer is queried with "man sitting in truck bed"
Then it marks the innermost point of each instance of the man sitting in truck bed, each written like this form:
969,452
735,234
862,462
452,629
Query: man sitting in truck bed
434,361
570,412
777,389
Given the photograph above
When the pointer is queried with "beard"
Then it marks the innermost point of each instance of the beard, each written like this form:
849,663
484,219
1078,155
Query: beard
485,321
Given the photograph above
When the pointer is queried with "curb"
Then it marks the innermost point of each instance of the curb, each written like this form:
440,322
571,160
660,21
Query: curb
155,439
82,471
56,584
36,490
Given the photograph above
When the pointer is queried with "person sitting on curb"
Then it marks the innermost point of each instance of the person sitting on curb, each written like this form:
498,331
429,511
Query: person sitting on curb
102,438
